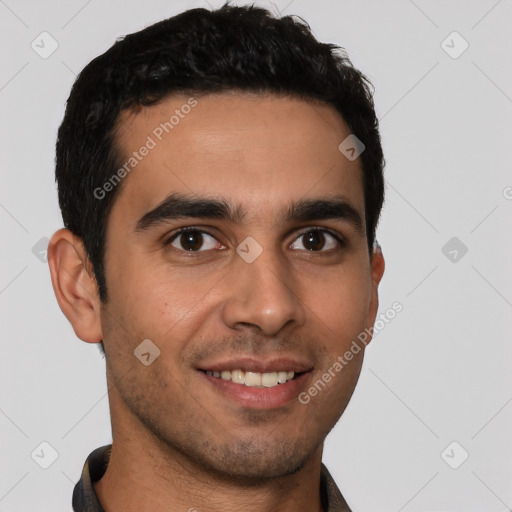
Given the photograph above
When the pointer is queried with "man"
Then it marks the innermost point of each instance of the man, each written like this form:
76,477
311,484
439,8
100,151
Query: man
220,181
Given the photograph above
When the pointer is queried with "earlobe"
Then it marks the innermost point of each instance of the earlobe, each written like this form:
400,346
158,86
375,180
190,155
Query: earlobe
377,271
74,285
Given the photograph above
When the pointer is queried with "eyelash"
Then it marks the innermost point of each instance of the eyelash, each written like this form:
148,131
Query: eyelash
341,241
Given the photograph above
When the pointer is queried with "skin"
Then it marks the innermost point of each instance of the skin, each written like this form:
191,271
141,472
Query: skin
179,444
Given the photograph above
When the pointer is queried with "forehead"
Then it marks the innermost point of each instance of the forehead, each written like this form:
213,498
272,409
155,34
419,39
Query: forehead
264,151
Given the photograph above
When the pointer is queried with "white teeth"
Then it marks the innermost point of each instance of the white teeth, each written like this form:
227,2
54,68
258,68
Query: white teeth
269,379
253,379
238,376
282,377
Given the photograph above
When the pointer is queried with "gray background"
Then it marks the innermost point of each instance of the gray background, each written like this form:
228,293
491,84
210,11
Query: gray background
440,370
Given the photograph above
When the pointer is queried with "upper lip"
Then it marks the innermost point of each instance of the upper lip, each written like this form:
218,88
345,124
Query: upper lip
258,365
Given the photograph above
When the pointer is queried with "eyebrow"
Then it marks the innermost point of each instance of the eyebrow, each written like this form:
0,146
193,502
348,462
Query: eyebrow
178,206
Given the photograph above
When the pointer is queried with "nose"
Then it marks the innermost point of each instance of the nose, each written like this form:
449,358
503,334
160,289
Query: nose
263,294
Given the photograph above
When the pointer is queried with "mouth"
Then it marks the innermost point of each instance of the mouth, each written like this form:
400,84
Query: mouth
255,379
256,384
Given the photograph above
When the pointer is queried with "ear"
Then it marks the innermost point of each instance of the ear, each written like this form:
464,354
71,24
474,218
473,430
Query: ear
377,271
74,285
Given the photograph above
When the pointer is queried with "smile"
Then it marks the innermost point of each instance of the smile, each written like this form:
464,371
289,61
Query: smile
253,379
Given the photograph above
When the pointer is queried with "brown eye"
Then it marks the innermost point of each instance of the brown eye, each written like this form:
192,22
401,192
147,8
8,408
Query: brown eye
317,239
314,241
192,240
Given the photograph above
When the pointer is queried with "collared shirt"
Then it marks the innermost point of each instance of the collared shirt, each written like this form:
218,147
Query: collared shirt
85,499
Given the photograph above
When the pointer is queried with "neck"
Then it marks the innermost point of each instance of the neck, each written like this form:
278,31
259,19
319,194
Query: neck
136,480
144,476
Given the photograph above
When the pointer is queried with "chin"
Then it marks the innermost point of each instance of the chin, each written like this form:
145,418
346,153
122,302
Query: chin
249,462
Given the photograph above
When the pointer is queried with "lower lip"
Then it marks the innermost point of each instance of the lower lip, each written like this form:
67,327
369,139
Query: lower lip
260,398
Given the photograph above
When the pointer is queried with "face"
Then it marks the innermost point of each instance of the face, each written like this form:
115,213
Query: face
237,245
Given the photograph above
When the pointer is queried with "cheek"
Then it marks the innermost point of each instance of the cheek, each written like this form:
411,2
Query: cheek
341,302
158,304
142,288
